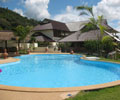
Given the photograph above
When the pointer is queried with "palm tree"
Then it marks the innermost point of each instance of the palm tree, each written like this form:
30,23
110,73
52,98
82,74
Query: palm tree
93,24
101,27
85,10
21,33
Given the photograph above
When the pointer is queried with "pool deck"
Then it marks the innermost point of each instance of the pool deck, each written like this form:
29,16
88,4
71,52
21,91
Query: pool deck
24,93
8,60
85,58
48,53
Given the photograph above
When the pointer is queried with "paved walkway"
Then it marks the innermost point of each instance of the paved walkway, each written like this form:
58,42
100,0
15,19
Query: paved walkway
8,60
13,95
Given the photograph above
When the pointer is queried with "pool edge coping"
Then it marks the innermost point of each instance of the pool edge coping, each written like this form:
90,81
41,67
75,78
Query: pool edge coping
9,60
64,89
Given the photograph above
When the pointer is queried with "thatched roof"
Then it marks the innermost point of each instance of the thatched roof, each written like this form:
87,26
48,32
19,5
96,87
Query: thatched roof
6,35
51,25
109,28
41,37
76,26
81,37
90,35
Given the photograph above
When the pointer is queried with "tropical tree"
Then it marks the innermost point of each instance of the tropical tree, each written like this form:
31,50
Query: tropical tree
108,44
93,23
21,34
92,46
85,10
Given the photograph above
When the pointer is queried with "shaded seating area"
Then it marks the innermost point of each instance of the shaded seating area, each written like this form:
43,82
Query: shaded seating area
12,51
6,36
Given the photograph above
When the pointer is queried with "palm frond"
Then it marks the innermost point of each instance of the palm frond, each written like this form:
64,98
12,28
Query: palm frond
93,21
83,13
80,7
88,27
102,29
86,8
100,19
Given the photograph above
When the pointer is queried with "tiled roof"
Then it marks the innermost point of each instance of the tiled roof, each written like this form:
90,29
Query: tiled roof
81,37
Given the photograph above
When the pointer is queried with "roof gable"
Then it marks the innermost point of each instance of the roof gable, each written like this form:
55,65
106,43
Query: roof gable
51,24
76,26
43,27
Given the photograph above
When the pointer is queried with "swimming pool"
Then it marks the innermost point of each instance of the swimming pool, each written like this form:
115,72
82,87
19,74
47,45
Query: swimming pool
57,70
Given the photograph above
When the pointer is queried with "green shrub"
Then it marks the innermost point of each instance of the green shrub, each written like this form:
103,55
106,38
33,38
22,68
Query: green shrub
65,47
92,46
23,52
43,44
107,44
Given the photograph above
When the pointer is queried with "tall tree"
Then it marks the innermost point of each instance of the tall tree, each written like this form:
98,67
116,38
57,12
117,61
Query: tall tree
85,10
93,23
21,33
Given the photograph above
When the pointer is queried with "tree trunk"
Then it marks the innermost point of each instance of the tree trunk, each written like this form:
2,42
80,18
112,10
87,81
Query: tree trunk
18,44
5,44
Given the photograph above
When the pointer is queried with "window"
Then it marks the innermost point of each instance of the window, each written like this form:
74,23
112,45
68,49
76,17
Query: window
57,33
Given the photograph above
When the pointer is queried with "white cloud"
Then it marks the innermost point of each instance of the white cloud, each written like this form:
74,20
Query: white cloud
110,9
117,28
37,9
19,11
116,25
69,15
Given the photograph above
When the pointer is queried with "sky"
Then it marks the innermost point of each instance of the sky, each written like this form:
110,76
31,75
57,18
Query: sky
64,10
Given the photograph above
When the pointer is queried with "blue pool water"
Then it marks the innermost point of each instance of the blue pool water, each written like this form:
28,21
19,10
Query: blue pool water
54,70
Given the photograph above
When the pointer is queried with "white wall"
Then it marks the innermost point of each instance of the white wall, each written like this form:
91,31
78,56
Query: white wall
23,45
35,45
28,45
54,44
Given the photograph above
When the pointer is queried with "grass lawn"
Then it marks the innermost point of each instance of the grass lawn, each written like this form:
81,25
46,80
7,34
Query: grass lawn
102,94
109,60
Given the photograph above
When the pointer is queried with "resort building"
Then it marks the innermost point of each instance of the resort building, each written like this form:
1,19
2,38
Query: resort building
91,35
51,29
54,32
77,39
